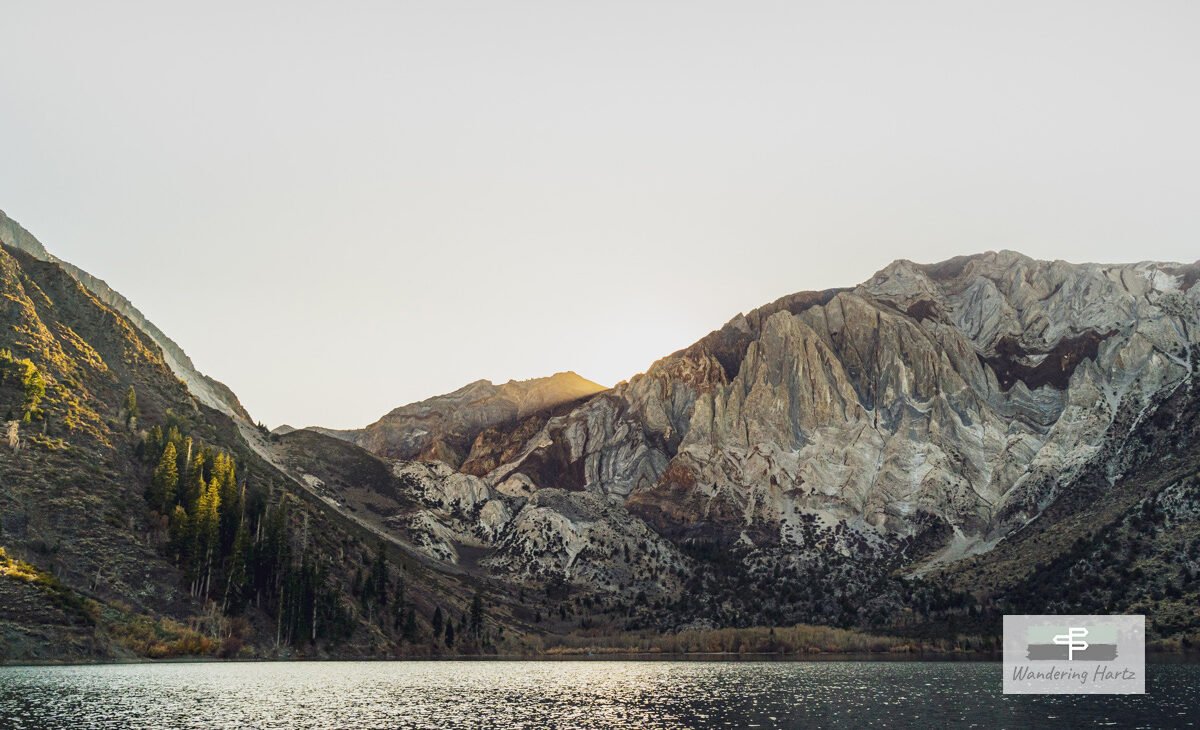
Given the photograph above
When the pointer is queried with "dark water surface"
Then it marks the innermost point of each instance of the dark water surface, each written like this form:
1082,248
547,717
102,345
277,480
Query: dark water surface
599,694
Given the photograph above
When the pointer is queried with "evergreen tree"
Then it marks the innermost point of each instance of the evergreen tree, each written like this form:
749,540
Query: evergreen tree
165,481
234,542
172,436
231,507
131,406
378,579
235,583
476,616
438,621
195,485
34,385
397,615
450,635
410,625
178,534
206,528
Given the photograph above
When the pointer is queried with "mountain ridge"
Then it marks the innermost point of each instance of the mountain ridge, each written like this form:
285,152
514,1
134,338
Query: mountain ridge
212,392
915,454
443,426
946,405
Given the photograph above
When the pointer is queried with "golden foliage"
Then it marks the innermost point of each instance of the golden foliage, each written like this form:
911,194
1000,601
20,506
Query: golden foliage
160,638
798,639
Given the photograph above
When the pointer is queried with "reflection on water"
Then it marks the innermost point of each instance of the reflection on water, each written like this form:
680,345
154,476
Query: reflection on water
569,694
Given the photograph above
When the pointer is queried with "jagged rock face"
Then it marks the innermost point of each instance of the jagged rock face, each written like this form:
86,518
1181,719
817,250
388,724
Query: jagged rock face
930,410
832,438
912,421
529,534
445,427
967,390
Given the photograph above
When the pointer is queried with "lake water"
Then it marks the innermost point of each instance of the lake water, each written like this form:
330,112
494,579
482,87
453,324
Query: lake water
600,694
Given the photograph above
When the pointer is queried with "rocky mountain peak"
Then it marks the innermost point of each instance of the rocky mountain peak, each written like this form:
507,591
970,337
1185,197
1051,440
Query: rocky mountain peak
443,427
957,390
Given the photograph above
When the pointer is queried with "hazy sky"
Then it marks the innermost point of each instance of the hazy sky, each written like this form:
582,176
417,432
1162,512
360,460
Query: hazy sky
337,208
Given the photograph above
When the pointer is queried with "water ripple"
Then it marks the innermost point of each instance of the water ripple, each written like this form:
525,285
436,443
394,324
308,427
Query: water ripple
596,694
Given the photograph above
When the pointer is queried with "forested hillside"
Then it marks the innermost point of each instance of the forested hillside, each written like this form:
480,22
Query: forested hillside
136,521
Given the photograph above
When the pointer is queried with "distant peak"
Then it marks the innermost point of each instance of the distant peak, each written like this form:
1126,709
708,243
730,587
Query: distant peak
953,267
574,377
566,377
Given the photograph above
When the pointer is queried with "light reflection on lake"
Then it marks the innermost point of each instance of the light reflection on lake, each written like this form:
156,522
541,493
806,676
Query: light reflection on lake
600,694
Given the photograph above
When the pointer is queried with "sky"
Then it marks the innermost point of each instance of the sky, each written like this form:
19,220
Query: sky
337,208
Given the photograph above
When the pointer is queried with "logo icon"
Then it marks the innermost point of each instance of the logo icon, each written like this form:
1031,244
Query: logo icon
1071,644
1069,640
1076,654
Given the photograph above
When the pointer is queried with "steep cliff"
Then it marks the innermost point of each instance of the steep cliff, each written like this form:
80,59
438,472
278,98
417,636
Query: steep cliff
841,437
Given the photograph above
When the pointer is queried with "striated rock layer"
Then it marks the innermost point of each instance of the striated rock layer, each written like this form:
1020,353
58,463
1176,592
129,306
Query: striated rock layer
914,420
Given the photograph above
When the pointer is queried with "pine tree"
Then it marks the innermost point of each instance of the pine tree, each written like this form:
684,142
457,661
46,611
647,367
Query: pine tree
207,530
131,407
231,507
410,625
379,577
195,485
437,622
450,635
34,385
397,615
235,582
172,436
165,480
476,616
178,531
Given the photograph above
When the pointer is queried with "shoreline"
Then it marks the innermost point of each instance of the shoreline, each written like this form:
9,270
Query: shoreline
713,657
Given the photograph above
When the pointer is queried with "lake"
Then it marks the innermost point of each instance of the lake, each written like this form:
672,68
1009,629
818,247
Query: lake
599,694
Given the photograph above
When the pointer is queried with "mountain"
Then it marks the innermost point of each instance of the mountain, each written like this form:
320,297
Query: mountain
445,427
212,393
843,455
142,515
916,455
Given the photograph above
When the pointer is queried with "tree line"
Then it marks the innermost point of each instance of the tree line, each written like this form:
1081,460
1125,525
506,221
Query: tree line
231,539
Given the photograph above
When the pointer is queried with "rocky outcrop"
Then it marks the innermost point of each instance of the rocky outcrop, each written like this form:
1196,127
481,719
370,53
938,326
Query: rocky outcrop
965,390
943,405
